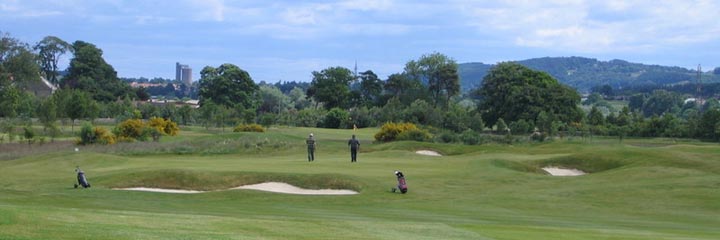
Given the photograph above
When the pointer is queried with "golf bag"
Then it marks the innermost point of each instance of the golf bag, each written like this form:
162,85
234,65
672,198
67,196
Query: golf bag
82,180
402,186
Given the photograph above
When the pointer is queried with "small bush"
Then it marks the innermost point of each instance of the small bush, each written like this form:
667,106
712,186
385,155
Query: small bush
470,137
95,135
103,136
164,126
131,128
447,137
390,131
415,135
249,128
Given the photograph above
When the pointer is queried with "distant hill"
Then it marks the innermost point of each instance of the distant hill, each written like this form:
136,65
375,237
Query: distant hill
585,73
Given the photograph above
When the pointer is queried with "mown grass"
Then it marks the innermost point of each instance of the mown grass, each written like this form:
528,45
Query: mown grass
637,189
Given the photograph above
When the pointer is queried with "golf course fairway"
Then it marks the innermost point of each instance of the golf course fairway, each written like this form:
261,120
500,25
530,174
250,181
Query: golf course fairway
634,189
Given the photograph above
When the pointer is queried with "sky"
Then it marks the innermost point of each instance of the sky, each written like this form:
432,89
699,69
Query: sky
288,40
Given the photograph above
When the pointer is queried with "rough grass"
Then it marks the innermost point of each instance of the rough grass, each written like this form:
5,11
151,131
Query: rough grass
473,192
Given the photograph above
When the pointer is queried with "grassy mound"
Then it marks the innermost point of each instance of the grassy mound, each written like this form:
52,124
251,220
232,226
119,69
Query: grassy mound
208,181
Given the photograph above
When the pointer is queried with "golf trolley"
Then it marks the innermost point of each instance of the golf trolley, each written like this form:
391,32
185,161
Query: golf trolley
402,186
81,179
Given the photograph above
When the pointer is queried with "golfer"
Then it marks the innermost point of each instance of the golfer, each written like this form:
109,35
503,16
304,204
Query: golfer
311,147
354,147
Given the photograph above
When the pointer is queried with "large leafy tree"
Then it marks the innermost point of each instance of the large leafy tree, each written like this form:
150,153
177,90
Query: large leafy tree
660,102
229,86
370,87
404,88
273,100
50,49
441,74
17,62
18,69
331,86
513,92
89,72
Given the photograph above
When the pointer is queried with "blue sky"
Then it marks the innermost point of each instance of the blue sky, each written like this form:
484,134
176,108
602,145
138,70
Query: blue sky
287,40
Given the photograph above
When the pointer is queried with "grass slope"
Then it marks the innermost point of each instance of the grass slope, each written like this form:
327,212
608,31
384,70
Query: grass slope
640,189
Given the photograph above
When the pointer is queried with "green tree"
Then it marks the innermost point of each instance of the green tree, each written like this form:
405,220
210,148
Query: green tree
595,117
331,87
336,118
50,49
441,74
79,105
9,97
229,86
17,63
513,92
272,100
370,88
476,123
405,89
185,112
544,122
298,99
207,113
660,102
708,124
500,126
592,99
47,112
89,72
636,102
29,134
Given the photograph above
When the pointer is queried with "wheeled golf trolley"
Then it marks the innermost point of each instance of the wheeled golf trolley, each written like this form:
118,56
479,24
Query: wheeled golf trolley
81,179
402,186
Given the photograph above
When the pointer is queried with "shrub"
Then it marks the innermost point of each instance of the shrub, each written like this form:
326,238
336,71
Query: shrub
470,137
415,135
390,132
336,118
29,134
249,128
87,135
164,126
131,128
103,136
93,135
268,119
447,137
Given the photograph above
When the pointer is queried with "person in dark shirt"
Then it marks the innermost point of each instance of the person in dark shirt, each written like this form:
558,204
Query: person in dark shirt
311,147
354,147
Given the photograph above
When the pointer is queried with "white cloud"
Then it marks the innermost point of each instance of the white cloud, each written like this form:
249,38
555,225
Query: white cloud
302,16
208,9
366,5
593,27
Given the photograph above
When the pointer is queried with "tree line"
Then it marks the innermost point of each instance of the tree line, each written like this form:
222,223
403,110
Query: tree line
512,99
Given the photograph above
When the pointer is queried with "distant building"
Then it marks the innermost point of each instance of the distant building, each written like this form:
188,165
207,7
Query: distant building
40,87
183,73
146,85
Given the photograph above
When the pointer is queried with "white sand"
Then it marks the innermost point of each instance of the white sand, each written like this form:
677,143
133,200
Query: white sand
279,187
556,171
162,190
276,187
428,153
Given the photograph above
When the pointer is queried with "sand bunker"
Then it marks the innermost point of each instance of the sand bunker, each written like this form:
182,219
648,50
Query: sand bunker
428,153
162,190
556,171
276,187
279,187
